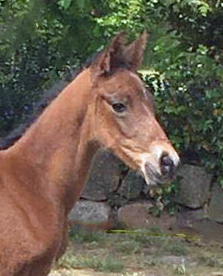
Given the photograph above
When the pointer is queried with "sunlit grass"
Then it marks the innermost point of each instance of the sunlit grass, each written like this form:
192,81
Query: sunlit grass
142,250
106,264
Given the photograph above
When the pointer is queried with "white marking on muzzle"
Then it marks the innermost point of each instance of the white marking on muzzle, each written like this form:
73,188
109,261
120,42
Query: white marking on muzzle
152,159
149,158
159,150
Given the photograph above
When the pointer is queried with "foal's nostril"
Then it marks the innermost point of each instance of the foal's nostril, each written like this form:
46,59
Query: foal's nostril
166,166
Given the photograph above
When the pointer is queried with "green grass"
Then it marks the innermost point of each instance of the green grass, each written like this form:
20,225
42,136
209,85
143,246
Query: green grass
106,264
128,247
84,236
158,242
173,247
141,250
210,260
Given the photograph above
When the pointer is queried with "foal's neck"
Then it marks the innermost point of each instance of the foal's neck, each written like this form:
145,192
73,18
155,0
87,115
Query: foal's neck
58,146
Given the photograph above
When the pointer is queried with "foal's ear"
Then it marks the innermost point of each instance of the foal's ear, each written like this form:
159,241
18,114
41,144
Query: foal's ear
117,55
110,58
134,52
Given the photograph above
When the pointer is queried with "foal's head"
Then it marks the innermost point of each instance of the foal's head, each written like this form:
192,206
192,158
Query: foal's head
124,118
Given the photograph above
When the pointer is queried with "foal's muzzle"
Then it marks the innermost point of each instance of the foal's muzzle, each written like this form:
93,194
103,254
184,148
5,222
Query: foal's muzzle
164,172
167,167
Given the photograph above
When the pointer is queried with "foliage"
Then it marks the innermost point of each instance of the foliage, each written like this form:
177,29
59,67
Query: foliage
125,15
39,43
42,41
188,81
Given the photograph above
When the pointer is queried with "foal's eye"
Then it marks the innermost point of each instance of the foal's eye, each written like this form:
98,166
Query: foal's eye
119,107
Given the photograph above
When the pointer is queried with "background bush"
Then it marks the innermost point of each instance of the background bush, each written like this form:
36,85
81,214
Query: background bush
43,41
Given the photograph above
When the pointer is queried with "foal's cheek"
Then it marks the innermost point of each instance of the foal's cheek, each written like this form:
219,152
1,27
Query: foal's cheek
103,133
126,126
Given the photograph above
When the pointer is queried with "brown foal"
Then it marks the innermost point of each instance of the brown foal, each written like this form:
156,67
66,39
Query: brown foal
42,175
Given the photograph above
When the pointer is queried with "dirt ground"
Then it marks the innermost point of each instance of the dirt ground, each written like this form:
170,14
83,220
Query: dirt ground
76,272
140,253
86,272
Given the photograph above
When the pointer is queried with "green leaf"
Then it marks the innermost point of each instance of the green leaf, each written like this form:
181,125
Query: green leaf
65,4
82,4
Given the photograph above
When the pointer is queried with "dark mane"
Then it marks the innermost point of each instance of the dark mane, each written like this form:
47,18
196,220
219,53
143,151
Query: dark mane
48,96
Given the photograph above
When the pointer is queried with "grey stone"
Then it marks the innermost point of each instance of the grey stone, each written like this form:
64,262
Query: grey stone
186,218
131,185
138,215
86,211
194,186
216,204
135,214
103,177
210,230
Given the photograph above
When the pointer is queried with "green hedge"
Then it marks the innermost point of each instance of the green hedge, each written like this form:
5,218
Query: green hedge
190,107
41,41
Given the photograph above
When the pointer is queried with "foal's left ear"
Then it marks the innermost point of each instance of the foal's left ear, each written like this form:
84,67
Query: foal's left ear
117,55
134,52
110,58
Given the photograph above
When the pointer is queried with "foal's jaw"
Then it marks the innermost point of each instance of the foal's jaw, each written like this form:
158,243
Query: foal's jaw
157,164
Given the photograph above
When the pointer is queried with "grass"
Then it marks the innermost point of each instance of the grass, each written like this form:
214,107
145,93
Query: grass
85,236
158,242
174,247
106,264
127,247
142,253
210,260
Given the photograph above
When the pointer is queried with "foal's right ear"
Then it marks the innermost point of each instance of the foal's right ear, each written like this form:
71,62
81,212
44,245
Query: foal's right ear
133,53
110,58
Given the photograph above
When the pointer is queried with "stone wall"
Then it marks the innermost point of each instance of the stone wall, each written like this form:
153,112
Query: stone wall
115,196
110,186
